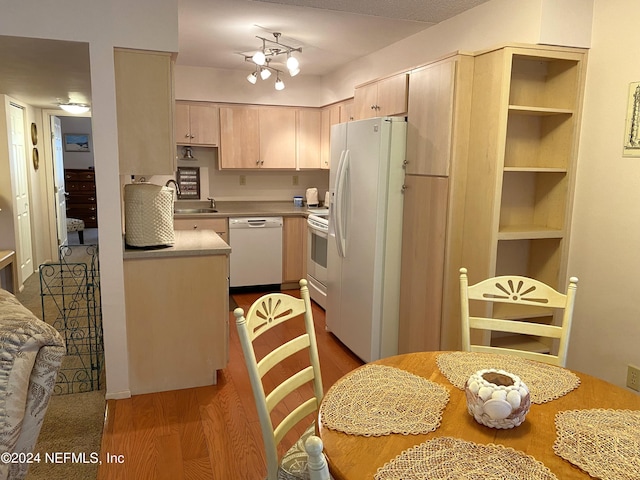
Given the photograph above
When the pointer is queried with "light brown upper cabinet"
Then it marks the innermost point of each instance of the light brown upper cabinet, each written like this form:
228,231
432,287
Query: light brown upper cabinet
144,103
333,114
197,124
384,97
308,131
257,137
430,119
239,137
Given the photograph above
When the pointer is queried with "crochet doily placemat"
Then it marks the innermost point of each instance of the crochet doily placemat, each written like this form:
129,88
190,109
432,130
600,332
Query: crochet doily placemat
377,400
446,458
603,443
545,382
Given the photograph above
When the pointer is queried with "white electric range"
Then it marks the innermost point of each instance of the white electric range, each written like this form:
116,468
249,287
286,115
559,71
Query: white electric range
318,228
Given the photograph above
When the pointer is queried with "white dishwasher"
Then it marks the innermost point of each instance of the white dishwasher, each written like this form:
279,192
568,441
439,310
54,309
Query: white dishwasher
256,251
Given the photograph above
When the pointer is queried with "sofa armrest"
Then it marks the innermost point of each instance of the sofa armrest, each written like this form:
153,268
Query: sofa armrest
31,352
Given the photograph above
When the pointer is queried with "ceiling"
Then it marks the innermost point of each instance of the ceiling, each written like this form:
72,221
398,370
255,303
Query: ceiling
217,33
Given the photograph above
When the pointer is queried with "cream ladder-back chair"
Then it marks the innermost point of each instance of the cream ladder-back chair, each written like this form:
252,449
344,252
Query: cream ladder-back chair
265,313
524,291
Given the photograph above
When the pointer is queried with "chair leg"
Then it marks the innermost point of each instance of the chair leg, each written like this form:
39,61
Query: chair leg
81,237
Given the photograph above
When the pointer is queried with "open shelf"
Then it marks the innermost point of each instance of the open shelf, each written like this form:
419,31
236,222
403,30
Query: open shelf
535,258
544,82
538,140
533,201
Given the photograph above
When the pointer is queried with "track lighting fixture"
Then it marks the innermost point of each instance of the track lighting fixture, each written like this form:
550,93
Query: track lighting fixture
271,50
279,83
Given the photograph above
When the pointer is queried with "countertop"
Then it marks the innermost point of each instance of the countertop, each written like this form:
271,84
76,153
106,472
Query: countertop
243,209
187,243
207,242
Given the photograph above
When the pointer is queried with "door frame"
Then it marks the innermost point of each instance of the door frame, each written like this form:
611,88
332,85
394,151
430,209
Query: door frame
50,172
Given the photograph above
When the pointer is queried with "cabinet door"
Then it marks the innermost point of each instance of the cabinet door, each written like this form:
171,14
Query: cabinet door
144,103
204,125
294,249
277,137
392,95
183,130
308,137
346,111
330,116
239,137
430,119
365,101
422,265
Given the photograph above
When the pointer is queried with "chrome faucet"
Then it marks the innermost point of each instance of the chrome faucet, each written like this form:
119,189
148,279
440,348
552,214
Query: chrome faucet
171,180
213,202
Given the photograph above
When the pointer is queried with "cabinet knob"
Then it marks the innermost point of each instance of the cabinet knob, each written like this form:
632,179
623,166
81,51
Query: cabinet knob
195,227
373,107
405,162
186,135
404,187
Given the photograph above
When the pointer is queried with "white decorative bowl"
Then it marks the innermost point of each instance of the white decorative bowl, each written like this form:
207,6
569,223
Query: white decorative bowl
497,399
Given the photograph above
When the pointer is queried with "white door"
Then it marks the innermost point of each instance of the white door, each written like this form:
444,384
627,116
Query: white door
18,162
58,181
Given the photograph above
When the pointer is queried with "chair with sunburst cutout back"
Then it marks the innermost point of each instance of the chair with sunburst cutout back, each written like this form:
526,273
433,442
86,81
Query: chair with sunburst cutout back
304,460
528,307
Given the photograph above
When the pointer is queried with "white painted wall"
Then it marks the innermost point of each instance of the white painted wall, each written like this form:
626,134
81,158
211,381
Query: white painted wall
605,238
144,24
81,160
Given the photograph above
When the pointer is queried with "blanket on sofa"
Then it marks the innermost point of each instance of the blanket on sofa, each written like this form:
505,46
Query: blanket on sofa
30,355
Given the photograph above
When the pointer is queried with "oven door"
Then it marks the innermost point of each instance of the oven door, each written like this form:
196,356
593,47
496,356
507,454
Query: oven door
317,254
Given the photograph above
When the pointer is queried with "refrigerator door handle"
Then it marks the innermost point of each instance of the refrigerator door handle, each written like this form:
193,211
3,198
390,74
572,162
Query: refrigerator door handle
341,185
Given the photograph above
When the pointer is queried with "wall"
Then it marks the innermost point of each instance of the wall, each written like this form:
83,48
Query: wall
72,125
265,186
103,25
605,236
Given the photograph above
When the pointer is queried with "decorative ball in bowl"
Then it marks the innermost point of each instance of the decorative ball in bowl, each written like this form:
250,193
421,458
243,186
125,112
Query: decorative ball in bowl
497,399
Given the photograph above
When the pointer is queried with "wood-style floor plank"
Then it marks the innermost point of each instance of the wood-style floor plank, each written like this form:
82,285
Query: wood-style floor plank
212,432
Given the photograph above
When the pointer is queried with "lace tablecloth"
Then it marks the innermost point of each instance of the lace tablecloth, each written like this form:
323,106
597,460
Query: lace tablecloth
377,400
450,458
604,443
545,382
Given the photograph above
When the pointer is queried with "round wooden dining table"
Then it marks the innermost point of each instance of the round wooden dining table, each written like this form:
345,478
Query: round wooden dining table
355,457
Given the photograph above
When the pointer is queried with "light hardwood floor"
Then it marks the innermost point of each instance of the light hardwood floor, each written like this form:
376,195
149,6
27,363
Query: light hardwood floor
209,432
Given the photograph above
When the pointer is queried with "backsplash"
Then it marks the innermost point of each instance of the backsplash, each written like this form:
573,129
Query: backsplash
226,185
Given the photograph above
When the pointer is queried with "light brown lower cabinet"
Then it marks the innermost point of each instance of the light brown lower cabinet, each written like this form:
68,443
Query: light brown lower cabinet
177,321
294,249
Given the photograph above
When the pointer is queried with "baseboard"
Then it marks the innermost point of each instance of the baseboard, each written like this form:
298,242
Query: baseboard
118,395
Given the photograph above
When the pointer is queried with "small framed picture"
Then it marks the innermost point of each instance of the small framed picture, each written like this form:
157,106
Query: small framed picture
76,142
632,128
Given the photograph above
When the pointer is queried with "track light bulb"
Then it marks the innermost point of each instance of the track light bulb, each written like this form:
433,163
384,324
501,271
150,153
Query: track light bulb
252,77
265,73
259,57
292,63
279,84
294,72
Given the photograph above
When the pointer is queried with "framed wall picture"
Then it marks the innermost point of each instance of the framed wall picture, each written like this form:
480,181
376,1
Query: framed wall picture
76,142
189,182
632,128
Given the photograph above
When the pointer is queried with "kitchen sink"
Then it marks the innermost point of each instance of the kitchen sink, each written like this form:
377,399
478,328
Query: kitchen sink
179,211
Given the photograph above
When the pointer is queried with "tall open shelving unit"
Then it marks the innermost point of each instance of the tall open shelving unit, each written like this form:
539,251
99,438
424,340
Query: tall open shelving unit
525,120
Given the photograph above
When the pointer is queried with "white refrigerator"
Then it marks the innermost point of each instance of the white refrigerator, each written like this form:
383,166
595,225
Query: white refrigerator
365,234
